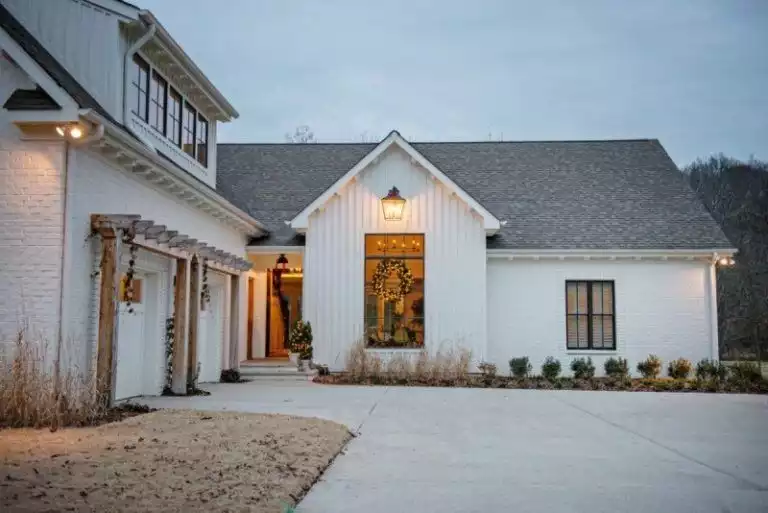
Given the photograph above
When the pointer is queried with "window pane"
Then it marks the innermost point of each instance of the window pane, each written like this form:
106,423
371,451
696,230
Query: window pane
570,301
609,340
139,87
583,335
597,297
202,140
608,297
157,103
582,297
188,130
572,332
174,116
597,332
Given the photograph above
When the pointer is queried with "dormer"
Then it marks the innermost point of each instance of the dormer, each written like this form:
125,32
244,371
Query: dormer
169,103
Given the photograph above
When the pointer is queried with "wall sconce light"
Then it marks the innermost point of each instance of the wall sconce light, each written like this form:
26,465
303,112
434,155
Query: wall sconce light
393,205
73,131
726,261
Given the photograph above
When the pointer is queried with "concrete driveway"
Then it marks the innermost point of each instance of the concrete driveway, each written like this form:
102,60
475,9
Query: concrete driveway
472,450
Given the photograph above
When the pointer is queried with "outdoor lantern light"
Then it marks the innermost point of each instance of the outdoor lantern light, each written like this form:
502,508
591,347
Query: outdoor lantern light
73,131
393,205
726,261
282,262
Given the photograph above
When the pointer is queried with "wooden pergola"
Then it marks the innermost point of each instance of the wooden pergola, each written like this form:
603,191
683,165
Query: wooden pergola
116,229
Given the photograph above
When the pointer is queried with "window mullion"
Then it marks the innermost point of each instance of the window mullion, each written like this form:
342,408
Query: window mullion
590,293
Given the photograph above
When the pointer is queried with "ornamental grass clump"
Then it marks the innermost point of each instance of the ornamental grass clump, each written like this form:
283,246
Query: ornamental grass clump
583,368
679,369
650,368
520,367
746,376
551,368
616,368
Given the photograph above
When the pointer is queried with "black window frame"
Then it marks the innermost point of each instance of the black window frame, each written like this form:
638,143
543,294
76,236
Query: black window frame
173,123
162,108
202,121
141,95
590,315
188,106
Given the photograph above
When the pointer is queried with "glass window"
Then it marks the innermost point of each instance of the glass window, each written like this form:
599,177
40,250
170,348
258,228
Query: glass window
394,290
589,315
139,87
137,284
174,116
202,140
188,129
157,100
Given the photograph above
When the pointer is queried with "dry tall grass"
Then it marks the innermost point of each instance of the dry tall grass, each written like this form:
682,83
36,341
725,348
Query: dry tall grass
449,366
38,393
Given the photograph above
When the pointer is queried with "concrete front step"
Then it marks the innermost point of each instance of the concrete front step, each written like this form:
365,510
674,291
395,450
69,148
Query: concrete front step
271,370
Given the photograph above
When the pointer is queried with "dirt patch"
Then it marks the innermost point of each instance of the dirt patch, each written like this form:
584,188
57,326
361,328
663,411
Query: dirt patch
167,461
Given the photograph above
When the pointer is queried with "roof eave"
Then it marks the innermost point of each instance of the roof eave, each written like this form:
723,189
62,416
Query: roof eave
164,38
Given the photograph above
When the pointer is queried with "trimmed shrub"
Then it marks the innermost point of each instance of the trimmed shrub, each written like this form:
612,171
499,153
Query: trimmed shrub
230,376
551,368
616,367
487,369
583,368
711,370
520,367
650,368
679,369
745,374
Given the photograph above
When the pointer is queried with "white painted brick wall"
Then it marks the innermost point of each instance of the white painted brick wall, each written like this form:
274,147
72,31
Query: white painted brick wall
97,187
31,214
661,308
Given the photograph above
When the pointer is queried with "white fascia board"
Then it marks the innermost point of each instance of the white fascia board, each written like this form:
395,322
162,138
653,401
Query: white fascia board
119,135
67,115
115,7
269,250
610,253
300,223
177,53
37,74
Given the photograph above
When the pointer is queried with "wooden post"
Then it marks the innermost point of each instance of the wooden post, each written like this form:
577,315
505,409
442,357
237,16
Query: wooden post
234,323
107,334
180,307
194,321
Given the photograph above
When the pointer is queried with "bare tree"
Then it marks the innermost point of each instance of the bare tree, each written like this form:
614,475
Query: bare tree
302,135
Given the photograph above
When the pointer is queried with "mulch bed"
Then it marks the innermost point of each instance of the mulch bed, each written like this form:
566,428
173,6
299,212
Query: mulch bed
540,383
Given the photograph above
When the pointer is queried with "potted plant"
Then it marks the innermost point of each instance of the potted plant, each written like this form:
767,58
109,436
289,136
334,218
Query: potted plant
300,343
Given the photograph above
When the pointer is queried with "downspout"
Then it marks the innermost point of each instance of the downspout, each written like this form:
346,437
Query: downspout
149,34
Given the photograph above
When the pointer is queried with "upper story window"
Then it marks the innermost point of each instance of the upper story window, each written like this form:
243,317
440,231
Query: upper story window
173,128
165,109
202,140
188,129
139,87
157,102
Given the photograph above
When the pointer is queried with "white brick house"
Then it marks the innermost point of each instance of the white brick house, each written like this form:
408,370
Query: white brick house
108,154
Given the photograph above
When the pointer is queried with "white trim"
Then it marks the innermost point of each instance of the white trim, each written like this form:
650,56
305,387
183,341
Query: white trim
37,73
268,250
300,223
610,254
42,116
142,154
712,311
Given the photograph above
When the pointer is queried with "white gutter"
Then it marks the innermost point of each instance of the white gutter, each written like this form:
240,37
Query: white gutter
268,250
182,176
626,253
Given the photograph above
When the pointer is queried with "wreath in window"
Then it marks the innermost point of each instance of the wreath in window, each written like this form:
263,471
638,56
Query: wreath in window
379,283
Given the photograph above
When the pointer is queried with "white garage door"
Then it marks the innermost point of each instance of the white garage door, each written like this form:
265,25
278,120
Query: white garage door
211,335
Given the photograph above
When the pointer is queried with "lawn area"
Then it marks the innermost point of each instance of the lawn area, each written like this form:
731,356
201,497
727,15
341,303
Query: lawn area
168,460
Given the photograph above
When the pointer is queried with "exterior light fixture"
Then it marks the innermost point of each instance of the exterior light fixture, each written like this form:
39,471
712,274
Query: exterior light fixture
282,262
393,205
726,261
75,132
61,131
72,131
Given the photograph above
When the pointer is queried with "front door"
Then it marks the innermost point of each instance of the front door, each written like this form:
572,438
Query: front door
283,310
130,343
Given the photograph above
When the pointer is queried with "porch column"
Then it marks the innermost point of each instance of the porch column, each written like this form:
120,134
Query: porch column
194,321
234,322
180,309
107,331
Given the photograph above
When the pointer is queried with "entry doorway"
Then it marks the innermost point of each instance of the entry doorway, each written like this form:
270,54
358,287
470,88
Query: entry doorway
284,288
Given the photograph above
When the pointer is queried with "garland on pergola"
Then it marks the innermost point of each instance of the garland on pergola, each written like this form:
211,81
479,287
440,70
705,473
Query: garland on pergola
385,268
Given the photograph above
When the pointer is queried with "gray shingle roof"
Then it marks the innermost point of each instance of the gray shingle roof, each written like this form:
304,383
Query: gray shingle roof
624,194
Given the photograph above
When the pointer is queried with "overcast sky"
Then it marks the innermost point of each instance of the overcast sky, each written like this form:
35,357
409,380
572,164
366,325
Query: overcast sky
693,74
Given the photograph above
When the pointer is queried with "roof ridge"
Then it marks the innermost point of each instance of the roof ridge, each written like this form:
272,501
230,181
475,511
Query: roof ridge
529,141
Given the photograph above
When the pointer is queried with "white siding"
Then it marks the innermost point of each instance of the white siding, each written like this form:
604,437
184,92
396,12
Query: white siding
83,38
31,218
96,187
662,308
455,261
